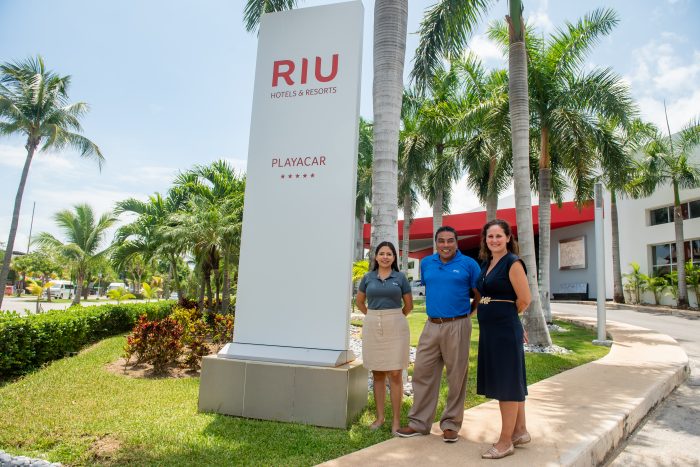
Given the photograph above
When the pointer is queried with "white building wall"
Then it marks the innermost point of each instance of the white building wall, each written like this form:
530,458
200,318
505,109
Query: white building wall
560,279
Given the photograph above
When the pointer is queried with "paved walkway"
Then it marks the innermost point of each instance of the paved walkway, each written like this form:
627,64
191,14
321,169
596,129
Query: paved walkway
576,418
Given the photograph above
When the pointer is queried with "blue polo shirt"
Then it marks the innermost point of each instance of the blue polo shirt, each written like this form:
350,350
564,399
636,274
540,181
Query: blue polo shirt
447,285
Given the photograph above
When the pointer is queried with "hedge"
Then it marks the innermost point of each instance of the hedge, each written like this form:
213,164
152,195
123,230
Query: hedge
27,342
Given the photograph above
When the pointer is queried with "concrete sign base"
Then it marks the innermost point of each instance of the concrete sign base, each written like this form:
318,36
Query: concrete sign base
322,396
281,354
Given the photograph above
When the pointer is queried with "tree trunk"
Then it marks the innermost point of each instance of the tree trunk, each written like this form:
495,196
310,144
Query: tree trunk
31,148
78,287
491,207
173,263
437,214
407,220
390,19
545,218
533,320
226,297
202,289
618,292
359,242
680,249
210,294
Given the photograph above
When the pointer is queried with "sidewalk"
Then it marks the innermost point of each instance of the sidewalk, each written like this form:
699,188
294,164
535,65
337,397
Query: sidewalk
575,418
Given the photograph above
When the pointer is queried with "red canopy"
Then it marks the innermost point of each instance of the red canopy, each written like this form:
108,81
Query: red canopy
468,226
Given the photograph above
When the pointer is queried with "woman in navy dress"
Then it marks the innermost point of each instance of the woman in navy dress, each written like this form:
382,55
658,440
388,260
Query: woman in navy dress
505,294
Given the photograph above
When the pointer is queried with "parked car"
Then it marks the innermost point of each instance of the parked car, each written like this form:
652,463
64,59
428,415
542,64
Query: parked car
418,288
173,296
62,289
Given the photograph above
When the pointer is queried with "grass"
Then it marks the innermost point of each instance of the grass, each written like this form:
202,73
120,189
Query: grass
75,412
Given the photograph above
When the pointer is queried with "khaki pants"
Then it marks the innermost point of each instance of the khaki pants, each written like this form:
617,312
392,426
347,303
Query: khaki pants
440,345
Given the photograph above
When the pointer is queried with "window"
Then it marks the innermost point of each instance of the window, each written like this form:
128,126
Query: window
664,259
659,216
694,207
411,264
690,210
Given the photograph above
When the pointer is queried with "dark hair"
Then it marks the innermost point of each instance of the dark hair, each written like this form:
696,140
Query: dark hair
394,265
512,246
445,228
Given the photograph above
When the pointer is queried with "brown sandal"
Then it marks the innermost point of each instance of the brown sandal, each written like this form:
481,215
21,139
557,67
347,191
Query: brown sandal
494,453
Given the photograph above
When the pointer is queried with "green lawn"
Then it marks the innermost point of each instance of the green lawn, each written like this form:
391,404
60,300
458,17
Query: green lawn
75,412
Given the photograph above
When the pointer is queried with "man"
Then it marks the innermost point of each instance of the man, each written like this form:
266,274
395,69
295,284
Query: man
448,276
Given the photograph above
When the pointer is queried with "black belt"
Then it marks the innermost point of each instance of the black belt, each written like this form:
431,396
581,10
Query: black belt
445,320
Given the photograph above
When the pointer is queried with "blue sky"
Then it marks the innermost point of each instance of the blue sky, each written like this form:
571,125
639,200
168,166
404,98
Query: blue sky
170,84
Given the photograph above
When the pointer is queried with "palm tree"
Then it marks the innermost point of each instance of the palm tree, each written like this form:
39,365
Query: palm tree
363,195
414,155
150,292
38,290
564,102
616,145
120,294
84,235
667,162
34,103
533,320
210,224
485,150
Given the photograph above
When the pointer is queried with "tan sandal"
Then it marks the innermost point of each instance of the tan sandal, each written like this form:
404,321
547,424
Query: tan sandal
522,439
494,453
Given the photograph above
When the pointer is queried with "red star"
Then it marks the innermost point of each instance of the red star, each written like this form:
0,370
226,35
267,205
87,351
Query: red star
305,175
313,175
297,175
282,177
290,176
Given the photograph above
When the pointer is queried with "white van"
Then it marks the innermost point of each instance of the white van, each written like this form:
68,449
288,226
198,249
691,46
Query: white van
116,285
62,289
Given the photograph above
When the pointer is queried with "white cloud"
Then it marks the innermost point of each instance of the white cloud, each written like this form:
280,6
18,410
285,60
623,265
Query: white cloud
484,48
239,164
147,175
541,20
12,156
663,73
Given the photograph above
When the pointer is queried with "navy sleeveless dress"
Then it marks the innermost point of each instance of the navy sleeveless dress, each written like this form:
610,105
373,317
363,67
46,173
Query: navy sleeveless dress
500,372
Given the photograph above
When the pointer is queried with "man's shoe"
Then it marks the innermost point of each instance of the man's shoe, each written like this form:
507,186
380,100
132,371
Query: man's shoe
450,436
407,432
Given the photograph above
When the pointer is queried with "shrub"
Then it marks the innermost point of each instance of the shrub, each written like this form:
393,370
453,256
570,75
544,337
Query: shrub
27,342
221,329
155,342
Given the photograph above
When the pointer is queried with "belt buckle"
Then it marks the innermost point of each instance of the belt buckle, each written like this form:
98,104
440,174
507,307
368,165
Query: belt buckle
485,300
441,320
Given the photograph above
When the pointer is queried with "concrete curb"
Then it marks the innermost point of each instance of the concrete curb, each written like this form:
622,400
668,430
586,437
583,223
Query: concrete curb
575,418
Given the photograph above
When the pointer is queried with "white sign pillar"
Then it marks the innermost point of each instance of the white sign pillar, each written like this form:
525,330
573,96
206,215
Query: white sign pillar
294,285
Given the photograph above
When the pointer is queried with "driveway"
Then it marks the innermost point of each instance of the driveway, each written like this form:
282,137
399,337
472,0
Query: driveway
670,436
21,304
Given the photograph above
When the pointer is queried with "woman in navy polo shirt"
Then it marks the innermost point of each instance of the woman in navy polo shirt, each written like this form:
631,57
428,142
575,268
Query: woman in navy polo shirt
385,334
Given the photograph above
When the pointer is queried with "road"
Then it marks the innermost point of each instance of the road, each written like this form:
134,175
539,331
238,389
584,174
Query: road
20,304
670,435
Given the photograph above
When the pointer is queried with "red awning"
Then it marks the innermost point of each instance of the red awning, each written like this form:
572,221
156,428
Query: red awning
468,226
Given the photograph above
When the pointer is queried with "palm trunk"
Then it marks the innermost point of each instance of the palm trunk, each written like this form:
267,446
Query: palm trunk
618,292
31,148
210,295
173,264
407,219
226,297
491,207
533,319
202,290
680,249
437,214
217,283
545,220
78,287
390,19
359,244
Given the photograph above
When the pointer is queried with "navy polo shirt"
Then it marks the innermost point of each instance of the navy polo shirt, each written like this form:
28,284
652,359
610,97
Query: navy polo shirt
447,285
384,294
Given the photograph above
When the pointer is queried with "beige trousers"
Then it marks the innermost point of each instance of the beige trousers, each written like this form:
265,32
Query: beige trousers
440,345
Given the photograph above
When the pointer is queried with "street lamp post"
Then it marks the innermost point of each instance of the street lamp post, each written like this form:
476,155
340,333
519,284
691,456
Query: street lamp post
600,266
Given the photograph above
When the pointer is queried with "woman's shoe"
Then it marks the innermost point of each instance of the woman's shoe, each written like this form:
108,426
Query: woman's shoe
376,425
494,453
522,439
